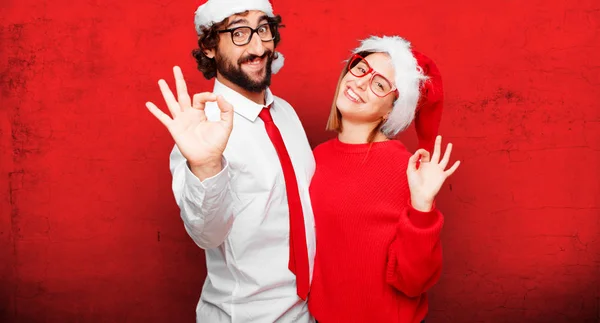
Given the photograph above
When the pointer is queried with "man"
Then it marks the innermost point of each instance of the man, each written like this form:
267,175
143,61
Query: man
241,170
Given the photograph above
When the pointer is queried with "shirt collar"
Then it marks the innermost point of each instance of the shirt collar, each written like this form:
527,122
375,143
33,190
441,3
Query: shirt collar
242,105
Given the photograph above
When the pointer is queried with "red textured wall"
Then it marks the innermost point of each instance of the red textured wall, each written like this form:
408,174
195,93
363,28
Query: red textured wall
89,230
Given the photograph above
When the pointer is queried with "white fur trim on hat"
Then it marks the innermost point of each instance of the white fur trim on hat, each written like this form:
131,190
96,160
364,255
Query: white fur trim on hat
408,79
214,11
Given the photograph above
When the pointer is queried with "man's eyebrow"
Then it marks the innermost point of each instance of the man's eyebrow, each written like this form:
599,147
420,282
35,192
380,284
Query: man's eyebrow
237,21
242,20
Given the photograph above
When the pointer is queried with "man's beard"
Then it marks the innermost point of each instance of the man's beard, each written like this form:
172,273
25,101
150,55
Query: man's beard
237,76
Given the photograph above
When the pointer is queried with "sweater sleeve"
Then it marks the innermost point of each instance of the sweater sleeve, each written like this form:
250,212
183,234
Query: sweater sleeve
414,261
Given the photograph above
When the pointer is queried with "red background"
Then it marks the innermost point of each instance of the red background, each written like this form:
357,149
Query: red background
89,230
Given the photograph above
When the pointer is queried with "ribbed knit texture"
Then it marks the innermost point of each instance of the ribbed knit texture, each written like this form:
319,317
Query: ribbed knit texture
376,255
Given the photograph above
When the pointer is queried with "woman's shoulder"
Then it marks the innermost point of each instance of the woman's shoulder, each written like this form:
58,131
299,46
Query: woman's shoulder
398,149
396,155
324,147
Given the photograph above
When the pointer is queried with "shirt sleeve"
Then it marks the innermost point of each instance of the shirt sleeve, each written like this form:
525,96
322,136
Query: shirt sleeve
415,255
205,206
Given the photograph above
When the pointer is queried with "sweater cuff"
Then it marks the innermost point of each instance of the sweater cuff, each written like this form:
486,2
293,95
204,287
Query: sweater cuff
424,220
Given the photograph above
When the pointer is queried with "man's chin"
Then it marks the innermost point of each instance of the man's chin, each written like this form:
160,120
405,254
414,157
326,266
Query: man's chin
256,79
255,75
253,80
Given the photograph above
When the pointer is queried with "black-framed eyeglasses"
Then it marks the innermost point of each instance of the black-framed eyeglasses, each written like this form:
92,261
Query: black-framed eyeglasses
242,35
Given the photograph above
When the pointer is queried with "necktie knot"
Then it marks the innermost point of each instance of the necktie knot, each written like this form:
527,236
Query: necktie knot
265,114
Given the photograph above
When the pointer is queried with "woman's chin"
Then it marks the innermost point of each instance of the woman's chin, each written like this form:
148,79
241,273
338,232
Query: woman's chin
344,104
351,114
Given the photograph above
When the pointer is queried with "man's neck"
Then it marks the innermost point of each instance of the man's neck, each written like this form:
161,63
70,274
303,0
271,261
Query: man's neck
256,97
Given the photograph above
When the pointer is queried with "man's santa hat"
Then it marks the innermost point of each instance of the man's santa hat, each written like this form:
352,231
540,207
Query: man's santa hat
420,89
214,11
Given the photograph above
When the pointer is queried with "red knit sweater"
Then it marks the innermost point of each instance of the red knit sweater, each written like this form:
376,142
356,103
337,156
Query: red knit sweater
376,255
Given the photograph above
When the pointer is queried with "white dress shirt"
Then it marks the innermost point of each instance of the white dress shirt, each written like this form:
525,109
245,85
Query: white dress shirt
240,216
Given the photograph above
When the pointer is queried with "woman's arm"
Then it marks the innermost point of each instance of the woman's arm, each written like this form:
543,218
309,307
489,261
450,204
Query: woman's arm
415,255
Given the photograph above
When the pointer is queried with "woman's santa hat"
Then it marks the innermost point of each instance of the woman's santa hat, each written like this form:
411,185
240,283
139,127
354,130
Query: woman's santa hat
214,11
420,86
431,103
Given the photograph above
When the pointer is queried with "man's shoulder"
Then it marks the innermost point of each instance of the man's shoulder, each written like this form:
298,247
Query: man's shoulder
286,107
281,102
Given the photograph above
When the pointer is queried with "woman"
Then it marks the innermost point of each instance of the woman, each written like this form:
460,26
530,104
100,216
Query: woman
377,228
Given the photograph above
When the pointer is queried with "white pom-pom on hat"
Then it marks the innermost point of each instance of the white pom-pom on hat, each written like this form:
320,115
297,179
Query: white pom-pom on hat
277,63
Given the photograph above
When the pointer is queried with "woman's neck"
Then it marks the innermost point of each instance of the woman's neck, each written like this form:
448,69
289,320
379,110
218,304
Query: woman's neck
358,133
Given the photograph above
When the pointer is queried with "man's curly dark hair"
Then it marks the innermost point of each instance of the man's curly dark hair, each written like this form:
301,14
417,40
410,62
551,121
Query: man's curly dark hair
209,39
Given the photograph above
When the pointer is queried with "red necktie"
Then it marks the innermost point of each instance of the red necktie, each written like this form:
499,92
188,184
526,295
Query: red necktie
298,261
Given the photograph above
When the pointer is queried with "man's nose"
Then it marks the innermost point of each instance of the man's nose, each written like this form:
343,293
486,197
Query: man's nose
256,46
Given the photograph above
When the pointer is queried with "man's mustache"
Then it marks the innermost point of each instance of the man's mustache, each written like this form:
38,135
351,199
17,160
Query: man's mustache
251,57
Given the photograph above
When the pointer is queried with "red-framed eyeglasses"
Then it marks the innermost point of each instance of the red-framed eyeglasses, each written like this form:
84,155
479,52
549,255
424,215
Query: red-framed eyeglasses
378,83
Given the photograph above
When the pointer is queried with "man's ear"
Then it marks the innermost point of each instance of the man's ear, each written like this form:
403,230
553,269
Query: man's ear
210,53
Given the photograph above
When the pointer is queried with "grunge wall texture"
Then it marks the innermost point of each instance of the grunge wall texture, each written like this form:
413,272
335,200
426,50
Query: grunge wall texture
89,230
